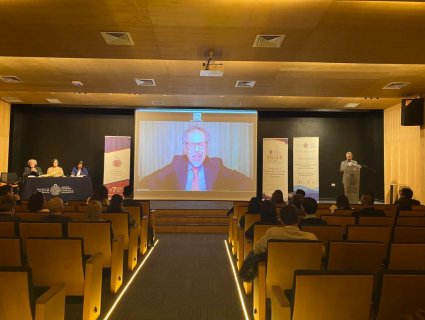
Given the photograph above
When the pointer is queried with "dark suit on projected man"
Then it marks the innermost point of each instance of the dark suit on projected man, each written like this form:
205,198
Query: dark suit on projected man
195,171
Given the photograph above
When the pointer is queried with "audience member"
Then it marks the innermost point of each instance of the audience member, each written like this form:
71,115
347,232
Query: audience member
100,194
408,194
56,206
7,190
94,211
116,205
128,198
277,199
7,209
254,207
268,216
310,219
368,210
403,204
32,169
289,230
79,170
297,202
37,202
342,203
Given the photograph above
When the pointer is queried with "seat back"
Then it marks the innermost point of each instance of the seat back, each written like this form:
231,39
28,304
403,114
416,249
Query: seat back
119,225
411,221
135,213
323,212
407,256
39,229
375,234
412,213
96,235
336,220
15,294
76,216
250,219
284,257
401,294
409,234
343,212
8,229
260,230
10,252
326,233
57,260
31,216
356,256
327,296
376,221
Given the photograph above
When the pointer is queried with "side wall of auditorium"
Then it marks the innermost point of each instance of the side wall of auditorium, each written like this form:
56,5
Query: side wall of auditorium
73,134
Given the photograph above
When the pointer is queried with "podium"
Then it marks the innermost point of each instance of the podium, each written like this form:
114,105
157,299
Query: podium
351,180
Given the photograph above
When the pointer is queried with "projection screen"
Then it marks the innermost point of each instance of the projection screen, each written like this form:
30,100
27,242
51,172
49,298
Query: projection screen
195,154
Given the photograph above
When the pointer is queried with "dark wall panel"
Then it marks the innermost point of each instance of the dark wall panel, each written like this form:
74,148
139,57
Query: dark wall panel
73,134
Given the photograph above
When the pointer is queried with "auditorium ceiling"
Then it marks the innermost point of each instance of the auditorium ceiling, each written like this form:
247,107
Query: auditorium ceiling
333,54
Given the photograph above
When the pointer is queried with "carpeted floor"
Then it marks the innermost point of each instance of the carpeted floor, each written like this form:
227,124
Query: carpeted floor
187,277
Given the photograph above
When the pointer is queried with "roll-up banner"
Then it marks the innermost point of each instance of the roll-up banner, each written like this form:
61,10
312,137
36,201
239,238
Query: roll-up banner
306,165
275,166
116,169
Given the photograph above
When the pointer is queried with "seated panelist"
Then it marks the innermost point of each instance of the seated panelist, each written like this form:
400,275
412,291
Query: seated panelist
79,170
55,170
32,169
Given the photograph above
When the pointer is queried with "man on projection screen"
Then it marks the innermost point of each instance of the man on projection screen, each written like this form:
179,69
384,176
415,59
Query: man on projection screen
195,171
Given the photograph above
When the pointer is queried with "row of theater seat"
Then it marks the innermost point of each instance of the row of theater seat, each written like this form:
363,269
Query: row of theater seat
365,251
54,258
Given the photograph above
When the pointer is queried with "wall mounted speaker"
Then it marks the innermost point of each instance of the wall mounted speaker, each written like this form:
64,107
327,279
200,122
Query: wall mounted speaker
412,112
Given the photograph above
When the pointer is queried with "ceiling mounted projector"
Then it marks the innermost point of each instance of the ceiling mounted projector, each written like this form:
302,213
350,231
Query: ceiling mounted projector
210,68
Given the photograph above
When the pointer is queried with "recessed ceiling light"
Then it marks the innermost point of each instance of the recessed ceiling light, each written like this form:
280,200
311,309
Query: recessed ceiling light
268,40
118,38
395,85
351,105
77,83
10,79
245,84
12,99
235,104
54,101
145,82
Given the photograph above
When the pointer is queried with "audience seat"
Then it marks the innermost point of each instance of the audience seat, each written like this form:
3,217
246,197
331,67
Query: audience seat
98,238
375,234
62,260
407,256
343,221
342,212
240,211
412,213
326,233
144,232
323,212
76,216
296,255
39,229
243,243
131,235
8,228
377,221
18,300
10,252
322,295
409,234
31,216
69,208
411,221
402,294
420,208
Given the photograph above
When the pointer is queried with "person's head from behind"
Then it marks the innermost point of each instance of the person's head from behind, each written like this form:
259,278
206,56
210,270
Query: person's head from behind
300,192
342,202
32,163
310,205
254,205
55,205
116,202
6,190
195,145
94,210
128,191
36,202
368,198
277,197
7,205
349,156
267,212
289,215
297,200
404,204
100,193
407,193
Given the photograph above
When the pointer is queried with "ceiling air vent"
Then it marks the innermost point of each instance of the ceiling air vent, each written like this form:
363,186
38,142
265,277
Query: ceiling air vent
235,104
268,40
12,99
396,85
158,103
145,82
118,38
10,79
244,84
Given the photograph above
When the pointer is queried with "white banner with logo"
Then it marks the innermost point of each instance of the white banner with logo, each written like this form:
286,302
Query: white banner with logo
275,166
306,165
116,170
